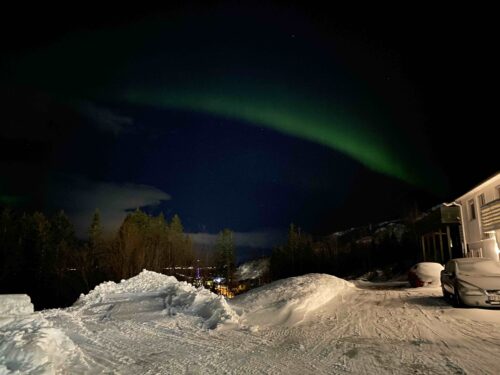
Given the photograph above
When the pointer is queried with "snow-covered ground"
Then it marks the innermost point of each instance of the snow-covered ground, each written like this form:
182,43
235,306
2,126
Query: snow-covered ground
314,324
29,344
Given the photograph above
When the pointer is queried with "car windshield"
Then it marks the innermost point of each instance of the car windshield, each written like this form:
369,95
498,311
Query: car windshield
484,268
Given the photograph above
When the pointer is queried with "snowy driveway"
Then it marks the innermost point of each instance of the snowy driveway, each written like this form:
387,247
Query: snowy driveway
371,329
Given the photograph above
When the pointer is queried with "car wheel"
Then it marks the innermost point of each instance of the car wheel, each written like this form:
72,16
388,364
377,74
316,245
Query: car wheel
446,295
457,301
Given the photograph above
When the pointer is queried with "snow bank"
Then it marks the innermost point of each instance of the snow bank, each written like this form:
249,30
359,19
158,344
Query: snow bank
253,270
213,309
288,301
150,291
15,304
30,345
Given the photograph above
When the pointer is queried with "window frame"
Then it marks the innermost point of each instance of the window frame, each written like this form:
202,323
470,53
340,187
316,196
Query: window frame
481,199
471,204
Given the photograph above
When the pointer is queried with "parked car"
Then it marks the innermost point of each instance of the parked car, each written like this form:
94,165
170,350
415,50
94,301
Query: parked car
472,282
425,274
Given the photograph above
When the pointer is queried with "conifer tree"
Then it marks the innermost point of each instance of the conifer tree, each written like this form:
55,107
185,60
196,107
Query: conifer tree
225,254
91,258
95,230
11,253
175,233
61,252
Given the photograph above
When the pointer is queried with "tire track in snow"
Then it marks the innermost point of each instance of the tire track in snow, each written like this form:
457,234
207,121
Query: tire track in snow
369,331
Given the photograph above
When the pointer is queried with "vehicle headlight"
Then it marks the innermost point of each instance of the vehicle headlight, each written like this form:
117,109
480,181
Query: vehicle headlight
467,289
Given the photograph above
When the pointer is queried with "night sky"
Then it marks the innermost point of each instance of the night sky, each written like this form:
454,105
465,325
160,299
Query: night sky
246,117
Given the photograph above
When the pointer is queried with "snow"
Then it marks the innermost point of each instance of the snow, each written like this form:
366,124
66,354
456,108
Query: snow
30,345
15,304
151,291
429,273
482,267
153,324
484,282
288,301
478,315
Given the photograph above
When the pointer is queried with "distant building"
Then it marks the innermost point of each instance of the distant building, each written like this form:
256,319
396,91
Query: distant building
480,216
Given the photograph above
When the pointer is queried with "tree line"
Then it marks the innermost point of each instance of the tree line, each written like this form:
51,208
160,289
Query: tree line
392,247
224,256
40,255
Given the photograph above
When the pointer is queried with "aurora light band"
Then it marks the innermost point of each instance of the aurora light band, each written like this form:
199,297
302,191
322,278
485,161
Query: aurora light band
317,123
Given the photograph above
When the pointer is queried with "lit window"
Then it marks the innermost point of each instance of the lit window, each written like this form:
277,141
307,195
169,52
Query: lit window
472,210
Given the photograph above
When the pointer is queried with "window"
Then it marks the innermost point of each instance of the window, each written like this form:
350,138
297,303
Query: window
472,210
498,191
481,200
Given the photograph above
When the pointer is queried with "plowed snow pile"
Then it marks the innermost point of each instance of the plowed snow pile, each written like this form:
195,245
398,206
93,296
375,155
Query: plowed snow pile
288,301
15,304
153,324
151,292
30,345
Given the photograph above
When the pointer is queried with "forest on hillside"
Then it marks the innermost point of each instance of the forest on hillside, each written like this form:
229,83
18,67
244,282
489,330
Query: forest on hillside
391,247
40,255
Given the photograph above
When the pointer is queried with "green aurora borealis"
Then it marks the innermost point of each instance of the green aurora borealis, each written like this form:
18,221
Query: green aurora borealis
147,66
310,120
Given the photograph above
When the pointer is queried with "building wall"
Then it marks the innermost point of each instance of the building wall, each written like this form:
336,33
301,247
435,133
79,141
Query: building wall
478,241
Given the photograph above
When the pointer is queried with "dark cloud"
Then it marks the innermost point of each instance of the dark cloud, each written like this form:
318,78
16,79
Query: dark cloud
265,239
106,120
80,197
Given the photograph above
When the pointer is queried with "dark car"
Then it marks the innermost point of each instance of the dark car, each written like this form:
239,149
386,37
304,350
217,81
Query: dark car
472,282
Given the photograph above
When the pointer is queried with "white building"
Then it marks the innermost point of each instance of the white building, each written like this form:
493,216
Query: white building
480,215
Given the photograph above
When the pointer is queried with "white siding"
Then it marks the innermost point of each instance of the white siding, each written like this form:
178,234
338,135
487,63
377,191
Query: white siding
474,234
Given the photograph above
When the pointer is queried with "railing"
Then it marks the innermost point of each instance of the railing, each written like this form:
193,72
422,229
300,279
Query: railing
490,216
